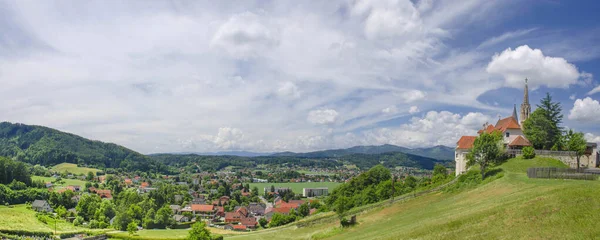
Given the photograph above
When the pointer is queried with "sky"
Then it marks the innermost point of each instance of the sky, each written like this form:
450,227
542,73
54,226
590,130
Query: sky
269,76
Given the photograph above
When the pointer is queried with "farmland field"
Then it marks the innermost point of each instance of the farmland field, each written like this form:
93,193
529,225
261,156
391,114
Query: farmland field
296,187
67,182
73,168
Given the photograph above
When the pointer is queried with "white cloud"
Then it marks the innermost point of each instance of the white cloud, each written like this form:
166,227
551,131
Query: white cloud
324,116
506,36
585,110
592,138
413,110
594,91
390,110
524,62
435,128
413,95
572,97
288,90
244,36
388,18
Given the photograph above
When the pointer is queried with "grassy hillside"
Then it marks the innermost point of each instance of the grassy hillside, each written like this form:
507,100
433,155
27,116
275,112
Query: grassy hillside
73,168
47,146
512,207
19,217
67,182
436,152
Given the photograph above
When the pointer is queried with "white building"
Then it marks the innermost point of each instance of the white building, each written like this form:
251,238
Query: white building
315,192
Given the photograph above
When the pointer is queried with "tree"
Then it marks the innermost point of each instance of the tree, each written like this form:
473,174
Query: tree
552,111
538,130
132,228
304,210
439,173
61,211
528,152
487,150
576,143
342,205
90,176
164,217
263,222
199,232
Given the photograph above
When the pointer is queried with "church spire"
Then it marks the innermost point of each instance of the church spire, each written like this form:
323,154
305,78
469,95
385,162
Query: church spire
515,113
525,107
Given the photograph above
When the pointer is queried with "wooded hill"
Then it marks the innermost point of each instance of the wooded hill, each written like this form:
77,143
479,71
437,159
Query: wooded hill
47,146
436,152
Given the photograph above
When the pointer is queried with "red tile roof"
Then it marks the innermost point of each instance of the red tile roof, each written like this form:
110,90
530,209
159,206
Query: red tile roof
202,208
249,221
489,129
239,227
507,123
282,210
242,211
465,142
519,141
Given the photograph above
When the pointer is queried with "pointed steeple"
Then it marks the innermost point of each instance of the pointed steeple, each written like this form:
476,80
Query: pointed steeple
515,113
525,107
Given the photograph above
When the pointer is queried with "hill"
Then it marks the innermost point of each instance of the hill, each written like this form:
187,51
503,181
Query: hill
363,161
437,152
511,207
47,146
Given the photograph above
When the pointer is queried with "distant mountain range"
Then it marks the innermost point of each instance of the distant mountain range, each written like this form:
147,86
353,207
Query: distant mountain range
437,152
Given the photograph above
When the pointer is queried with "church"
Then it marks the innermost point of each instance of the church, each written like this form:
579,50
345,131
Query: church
510,127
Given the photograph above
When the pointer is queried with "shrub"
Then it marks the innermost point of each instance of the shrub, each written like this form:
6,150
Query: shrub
528,153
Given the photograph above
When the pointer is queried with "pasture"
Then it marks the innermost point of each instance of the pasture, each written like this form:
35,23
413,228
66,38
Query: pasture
73,168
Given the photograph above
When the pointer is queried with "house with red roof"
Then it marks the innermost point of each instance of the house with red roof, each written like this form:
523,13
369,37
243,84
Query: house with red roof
510,128
205,211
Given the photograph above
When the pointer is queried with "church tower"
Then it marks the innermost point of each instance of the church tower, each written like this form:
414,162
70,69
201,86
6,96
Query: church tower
525,107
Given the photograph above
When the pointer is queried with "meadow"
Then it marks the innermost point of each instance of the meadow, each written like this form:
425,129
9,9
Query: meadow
511,207
67,182
18,217
73,168
296,187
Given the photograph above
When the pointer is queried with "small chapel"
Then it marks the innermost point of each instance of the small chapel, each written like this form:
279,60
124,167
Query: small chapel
510,127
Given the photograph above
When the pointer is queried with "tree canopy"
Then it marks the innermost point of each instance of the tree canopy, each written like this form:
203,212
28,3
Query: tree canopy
487,150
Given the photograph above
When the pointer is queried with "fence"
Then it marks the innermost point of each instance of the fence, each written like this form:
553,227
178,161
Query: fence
560,173
542,152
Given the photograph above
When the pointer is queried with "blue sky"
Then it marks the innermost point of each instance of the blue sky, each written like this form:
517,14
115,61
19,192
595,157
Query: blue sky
169,76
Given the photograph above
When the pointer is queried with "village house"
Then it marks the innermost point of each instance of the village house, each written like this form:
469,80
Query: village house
256,209
41,206
203,211
175,208
180,218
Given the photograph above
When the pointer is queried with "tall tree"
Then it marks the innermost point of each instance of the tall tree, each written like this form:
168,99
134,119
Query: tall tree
553,112
487,150
576,143
538,130
342,205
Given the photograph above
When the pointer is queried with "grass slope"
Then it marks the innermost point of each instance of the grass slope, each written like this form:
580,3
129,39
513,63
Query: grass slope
296,187
512,207
20,218
73,168
67,182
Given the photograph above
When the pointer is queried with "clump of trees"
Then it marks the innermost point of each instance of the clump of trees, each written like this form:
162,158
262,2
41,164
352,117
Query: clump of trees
528,152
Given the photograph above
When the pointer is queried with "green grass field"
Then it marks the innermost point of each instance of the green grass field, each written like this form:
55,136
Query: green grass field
166,234
20,218
296,187
512,207
316,173
73,168
67,182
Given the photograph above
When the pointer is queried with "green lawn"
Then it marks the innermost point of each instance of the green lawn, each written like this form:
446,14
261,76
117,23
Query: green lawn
512,207
156,234
296,187
67,182
73,168
21,218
